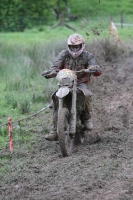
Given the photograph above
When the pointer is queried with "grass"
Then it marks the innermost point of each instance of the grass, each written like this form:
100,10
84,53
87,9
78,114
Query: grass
46,34
101,7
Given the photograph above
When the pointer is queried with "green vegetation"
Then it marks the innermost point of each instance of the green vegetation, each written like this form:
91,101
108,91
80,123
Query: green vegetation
17,15
47,34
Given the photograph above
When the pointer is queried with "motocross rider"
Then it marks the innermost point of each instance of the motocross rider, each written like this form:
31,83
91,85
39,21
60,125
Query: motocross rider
75,58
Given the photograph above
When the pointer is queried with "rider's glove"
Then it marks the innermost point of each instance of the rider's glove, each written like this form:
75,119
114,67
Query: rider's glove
95,68
49,74
45,74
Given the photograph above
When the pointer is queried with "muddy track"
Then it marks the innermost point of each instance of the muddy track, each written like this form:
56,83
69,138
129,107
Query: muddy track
102,168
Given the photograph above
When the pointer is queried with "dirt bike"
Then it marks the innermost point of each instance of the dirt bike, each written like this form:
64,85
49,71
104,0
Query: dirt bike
70,103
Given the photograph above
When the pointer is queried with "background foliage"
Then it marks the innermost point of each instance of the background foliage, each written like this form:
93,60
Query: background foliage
16,15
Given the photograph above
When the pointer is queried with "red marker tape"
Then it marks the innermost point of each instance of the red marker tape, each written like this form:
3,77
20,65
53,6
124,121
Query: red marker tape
114,32
10,134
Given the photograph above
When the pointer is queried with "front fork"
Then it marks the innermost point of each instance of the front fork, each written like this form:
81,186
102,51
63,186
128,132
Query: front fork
73,109
60,104
60,107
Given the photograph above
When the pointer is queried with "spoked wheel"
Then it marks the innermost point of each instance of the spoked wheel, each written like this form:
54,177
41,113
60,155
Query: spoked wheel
65,140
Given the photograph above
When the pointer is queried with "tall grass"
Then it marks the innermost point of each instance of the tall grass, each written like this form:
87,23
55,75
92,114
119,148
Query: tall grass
22,88
21,65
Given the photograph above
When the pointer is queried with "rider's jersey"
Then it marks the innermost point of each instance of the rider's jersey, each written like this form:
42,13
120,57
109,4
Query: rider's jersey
83,61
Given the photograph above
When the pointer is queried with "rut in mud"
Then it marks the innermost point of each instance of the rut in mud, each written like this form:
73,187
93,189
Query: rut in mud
102,168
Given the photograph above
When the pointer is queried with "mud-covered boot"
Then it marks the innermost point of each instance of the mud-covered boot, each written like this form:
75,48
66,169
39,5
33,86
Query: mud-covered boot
88,121
52,136
89,124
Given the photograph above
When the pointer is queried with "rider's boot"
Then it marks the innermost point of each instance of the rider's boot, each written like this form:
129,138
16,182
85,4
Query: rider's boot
88,121
88,113
52,136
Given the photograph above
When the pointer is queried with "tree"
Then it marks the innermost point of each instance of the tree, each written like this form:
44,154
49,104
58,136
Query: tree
16,15
61,11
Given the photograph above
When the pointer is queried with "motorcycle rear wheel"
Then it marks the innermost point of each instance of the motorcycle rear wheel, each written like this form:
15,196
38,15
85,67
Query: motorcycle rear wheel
65,140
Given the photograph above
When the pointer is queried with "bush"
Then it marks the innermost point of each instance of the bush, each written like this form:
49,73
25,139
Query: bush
104,50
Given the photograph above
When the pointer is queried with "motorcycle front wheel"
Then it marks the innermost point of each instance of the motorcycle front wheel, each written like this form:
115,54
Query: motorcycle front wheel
65,140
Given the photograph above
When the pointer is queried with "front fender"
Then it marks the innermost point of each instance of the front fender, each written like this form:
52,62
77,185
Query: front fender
62,92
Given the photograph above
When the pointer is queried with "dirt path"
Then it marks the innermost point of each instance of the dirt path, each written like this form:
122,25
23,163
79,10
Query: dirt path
101,169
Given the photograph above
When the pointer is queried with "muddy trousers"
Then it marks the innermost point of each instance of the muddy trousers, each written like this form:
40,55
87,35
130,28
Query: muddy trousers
88,106
88,100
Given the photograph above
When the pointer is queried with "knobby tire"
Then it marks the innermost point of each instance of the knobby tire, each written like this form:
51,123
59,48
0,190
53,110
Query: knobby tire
65,141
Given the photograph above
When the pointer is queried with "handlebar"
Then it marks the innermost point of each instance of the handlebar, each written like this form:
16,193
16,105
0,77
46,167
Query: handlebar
48,74
86,71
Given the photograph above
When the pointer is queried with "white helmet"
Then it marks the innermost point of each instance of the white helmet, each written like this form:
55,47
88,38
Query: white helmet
76,44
